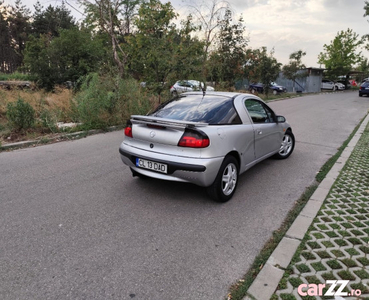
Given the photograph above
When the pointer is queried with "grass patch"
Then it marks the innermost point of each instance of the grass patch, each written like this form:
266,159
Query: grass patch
328,276
340,242
364,261
295,281
354,241
334,264
312,279
238,290
349,262
346,275
314,245
331,234
344,233
362,274
323,254
328,244
16,76
337,253
352,251
308,255
287,297
318,266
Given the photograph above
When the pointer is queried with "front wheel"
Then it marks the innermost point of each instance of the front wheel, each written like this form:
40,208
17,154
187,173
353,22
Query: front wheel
225,184
287,145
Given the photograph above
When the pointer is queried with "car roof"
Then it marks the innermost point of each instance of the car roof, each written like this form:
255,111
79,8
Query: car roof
225,94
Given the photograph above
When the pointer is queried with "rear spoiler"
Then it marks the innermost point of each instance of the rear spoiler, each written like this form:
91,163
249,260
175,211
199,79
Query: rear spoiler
136,119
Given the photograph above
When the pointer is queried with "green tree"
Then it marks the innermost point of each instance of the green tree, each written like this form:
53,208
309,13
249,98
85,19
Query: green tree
68,57
262,66
19,29
207,16
51,20
115,19
189,53
293,69
364,66
340,56
226,62
8,56
153,49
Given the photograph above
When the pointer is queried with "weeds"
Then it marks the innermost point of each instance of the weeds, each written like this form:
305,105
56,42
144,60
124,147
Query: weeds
21,114
106,101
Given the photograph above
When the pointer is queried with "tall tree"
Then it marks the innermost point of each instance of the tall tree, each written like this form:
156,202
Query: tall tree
293,70
366,14
208,14
153,48
226,62
51,20
8,56
262,66
188,54
70,56
341,55
19,28
114,17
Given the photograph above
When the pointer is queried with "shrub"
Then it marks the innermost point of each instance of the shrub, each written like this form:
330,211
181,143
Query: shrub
20,114
106,101
48,120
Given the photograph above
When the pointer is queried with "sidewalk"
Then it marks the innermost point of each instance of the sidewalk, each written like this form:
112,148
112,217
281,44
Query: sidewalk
329,240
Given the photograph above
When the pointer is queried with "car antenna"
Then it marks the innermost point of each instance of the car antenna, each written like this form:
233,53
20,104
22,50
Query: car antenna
203,87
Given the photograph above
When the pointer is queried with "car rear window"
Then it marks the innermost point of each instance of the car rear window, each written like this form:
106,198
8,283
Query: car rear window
211,109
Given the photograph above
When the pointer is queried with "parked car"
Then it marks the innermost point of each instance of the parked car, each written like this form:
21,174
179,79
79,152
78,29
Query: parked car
353,82
364,89
259,87
330,85
346,84
207,140
182,86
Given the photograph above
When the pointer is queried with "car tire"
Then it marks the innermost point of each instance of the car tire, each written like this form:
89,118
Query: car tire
275,92
174,94
360,95
287,145
225,184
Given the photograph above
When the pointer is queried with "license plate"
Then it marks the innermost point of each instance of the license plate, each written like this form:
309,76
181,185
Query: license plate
151,165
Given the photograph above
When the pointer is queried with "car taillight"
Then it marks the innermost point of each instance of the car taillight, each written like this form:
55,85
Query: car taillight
194,139
128,129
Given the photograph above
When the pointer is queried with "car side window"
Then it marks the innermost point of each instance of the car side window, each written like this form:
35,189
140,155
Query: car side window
258,112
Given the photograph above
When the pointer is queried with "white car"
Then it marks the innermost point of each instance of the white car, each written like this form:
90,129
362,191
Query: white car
182,86
330,85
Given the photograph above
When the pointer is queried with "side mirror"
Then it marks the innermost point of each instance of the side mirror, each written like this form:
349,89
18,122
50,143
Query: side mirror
280,119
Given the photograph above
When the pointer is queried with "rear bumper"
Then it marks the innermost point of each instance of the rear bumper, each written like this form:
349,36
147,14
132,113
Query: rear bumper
200,171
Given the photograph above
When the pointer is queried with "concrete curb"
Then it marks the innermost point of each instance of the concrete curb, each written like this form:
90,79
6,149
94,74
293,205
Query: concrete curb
270,275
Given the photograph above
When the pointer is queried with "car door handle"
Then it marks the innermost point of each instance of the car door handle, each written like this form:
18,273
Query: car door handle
260,132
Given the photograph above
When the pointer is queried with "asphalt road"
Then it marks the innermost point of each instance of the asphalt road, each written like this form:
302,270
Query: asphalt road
74,224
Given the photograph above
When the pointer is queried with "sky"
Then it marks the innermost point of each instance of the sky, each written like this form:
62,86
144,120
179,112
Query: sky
285,26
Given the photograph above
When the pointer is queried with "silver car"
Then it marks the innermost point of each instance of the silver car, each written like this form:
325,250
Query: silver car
182,86
208,140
